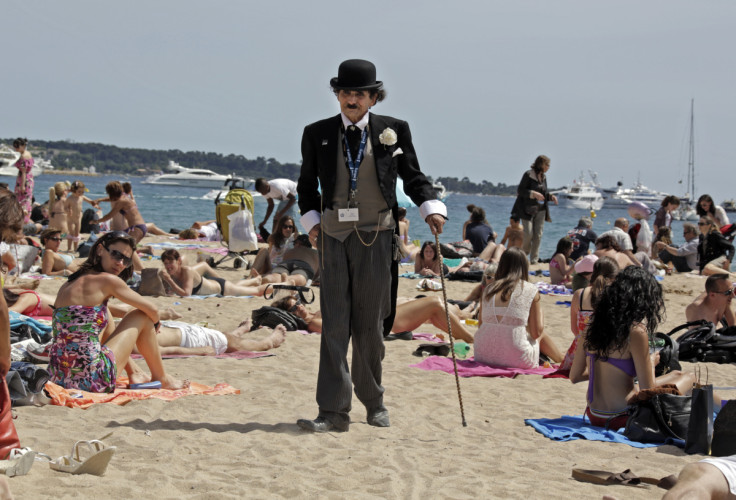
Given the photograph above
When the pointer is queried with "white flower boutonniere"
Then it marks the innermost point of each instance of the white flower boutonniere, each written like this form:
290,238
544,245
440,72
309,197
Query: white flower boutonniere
388,137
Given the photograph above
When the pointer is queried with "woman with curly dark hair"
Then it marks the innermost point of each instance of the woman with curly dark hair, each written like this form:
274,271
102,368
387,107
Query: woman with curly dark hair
616,344
89,351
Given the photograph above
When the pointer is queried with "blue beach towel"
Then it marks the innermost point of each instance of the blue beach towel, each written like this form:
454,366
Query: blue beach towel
17,319
570,428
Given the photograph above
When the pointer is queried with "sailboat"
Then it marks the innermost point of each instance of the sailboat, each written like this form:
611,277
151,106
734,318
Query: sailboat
687,211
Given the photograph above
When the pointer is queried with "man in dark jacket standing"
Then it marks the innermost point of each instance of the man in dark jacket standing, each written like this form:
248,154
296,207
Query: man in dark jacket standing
355,157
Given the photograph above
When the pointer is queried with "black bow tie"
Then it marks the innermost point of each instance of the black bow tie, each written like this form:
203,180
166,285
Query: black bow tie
353,133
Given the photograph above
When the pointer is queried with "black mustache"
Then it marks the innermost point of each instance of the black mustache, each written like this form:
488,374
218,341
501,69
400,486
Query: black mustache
352,106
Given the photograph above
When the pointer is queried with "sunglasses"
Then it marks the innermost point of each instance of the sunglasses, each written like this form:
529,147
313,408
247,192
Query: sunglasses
115,255
703,223
53,239
726,293
288,227
293,308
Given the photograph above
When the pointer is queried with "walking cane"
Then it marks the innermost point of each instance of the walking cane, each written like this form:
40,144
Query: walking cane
449,328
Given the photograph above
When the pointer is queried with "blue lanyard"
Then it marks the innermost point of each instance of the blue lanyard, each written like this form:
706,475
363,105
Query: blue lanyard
354,166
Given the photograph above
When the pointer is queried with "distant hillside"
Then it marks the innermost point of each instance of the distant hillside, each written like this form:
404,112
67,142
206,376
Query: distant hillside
112,159
108,159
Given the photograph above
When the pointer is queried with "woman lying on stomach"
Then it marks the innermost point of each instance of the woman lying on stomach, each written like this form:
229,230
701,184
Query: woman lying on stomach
89,351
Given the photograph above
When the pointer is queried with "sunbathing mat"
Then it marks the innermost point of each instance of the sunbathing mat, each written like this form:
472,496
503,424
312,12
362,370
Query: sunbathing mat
225,355
570,428
471,368
74,398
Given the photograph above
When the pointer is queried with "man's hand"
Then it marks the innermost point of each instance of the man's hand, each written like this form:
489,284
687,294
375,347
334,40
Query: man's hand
554,199
260,226
435,223
660,244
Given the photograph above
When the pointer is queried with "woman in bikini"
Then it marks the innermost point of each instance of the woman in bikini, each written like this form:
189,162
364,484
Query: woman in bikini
127,207
279,242
186,280
615,348
58,211
583,303
54,263
410,315
89,351
560,265
428,261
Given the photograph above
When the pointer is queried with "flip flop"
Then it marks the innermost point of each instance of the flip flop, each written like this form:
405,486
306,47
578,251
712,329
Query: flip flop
625,478
154,384
95,463
19,462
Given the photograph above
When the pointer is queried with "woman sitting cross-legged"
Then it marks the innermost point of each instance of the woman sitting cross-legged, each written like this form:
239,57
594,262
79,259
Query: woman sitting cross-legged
615,348
511,334
409,315
89,351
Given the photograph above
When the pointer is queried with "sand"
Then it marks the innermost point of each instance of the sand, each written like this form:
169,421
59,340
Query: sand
248,445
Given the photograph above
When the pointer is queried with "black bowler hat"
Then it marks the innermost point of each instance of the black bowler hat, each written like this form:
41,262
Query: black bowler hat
356,74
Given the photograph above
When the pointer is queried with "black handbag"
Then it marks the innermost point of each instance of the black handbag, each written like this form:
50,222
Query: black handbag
700,427
661,417
273,316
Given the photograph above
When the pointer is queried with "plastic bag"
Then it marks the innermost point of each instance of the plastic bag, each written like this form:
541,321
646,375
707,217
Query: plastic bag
242,233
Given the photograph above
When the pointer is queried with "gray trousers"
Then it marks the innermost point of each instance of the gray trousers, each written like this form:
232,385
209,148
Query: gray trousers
533,229
355,297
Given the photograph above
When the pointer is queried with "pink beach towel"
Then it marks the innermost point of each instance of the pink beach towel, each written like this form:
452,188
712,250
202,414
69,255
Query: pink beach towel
471,368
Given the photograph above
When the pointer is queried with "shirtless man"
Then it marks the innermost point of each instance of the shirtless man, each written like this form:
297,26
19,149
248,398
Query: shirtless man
714,304
176,337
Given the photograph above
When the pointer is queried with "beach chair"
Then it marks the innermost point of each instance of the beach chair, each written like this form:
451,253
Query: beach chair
236,199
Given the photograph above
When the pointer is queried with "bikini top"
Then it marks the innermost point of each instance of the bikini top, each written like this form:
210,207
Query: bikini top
625,365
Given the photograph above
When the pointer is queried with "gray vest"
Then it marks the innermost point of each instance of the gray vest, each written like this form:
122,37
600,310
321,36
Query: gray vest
374,213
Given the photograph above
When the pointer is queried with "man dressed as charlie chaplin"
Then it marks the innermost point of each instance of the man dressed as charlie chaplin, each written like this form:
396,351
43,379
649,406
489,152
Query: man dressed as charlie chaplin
355,158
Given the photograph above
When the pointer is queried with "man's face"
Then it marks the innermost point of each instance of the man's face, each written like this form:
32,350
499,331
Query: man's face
355,103
689,235
725,291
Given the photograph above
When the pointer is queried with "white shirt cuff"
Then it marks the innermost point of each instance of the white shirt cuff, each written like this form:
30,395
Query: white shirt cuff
310,219
430,207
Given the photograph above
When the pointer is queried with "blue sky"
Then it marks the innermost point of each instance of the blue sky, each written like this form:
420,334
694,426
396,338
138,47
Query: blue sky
485,85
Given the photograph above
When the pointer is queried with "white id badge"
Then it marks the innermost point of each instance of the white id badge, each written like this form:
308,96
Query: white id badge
347,214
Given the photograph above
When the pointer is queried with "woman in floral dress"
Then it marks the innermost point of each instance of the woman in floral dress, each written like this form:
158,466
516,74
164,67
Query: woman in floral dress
89,351
24,181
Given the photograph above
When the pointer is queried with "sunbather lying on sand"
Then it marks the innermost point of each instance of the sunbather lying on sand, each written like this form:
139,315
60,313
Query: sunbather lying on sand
185,280
176,337
409,316
32,303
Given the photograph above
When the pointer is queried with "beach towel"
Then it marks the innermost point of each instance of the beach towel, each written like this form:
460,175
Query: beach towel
17,319
570,428
471,368
74,398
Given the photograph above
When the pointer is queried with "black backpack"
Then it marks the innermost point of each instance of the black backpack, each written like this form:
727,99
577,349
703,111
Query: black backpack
273,316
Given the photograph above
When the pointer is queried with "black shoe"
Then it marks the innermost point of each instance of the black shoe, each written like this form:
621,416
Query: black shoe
378,418
400,336
321,424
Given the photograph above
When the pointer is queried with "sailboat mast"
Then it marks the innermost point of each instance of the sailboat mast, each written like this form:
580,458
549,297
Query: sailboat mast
691,153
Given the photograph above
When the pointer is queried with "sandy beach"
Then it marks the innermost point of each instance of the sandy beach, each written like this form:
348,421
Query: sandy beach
248,445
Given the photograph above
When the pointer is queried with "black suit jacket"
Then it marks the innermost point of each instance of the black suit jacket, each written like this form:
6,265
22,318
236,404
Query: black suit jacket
320,143
320,147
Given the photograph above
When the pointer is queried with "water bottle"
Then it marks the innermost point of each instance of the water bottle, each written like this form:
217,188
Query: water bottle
462,349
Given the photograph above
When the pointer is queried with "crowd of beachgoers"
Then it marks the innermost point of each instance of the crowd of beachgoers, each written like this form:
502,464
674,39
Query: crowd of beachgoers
101,322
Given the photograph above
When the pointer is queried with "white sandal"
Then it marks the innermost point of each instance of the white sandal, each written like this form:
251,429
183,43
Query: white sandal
18,463
95,463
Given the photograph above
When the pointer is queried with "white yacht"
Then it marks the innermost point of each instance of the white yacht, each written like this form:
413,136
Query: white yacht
233,183
440,189
621,197
581,194
188,177
9,156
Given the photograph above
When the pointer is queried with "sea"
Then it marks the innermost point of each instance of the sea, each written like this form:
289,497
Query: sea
178,207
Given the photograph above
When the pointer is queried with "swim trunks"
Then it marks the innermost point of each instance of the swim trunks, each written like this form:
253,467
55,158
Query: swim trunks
295,266
199,336
727,466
